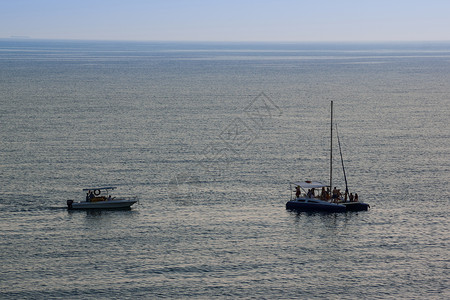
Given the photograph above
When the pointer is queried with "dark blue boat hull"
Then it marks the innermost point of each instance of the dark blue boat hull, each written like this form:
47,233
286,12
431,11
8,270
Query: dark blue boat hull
356,206
314,207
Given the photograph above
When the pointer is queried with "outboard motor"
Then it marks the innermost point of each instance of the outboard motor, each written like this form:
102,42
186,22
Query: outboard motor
69,204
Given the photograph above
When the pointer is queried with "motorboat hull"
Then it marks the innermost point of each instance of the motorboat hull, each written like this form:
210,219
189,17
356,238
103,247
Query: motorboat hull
110,204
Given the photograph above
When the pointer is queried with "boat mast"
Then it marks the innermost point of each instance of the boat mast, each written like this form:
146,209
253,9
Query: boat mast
331,149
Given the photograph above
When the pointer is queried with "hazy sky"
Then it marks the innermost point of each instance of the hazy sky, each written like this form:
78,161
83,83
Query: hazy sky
227,20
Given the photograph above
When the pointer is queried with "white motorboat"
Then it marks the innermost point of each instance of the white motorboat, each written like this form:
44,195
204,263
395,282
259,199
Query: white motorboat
100,198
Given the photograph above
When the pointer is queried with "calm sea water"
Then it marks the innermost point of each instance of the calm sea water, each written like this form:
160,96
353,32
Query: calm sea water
209,137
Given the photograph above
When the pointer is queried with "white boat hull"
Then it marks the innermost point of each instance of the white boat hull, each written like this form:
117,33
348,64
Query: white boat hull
110,204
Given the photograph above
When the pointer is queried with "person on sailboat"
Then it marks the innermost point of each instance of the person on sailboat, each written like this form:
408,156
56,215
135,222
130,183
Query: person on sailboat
297,191
351,197
356,197
324,194
335,194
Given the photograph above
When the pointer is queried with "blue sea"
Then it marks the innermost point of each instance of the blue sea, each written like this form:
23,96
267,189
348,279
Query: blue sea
209,136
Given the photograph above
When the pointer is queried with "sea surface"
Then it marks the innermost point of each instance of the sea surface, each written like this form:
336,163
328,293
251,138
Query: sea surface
209,136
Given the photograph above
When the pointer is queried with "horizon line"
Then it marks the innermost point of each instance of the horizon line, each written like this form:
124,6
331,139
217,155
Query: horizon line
27,38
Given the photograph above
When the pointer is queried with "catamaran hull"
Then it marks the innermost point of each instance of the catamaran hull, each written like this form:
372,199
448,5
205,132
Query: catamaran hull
315,207
329,207
112,204
356,206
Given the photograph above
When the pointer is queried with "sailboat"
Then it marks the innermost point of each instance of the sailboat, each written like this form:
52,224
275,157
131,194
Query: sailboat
318,197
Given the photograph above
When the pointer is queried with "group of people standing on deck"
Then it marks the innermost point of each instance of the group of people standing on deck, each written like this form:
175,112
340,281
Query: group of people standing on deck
325,194
338,195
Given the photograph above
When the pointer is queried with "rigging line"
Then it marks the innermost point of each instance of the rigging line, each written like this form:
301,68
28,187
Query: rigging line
331,148
342,160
